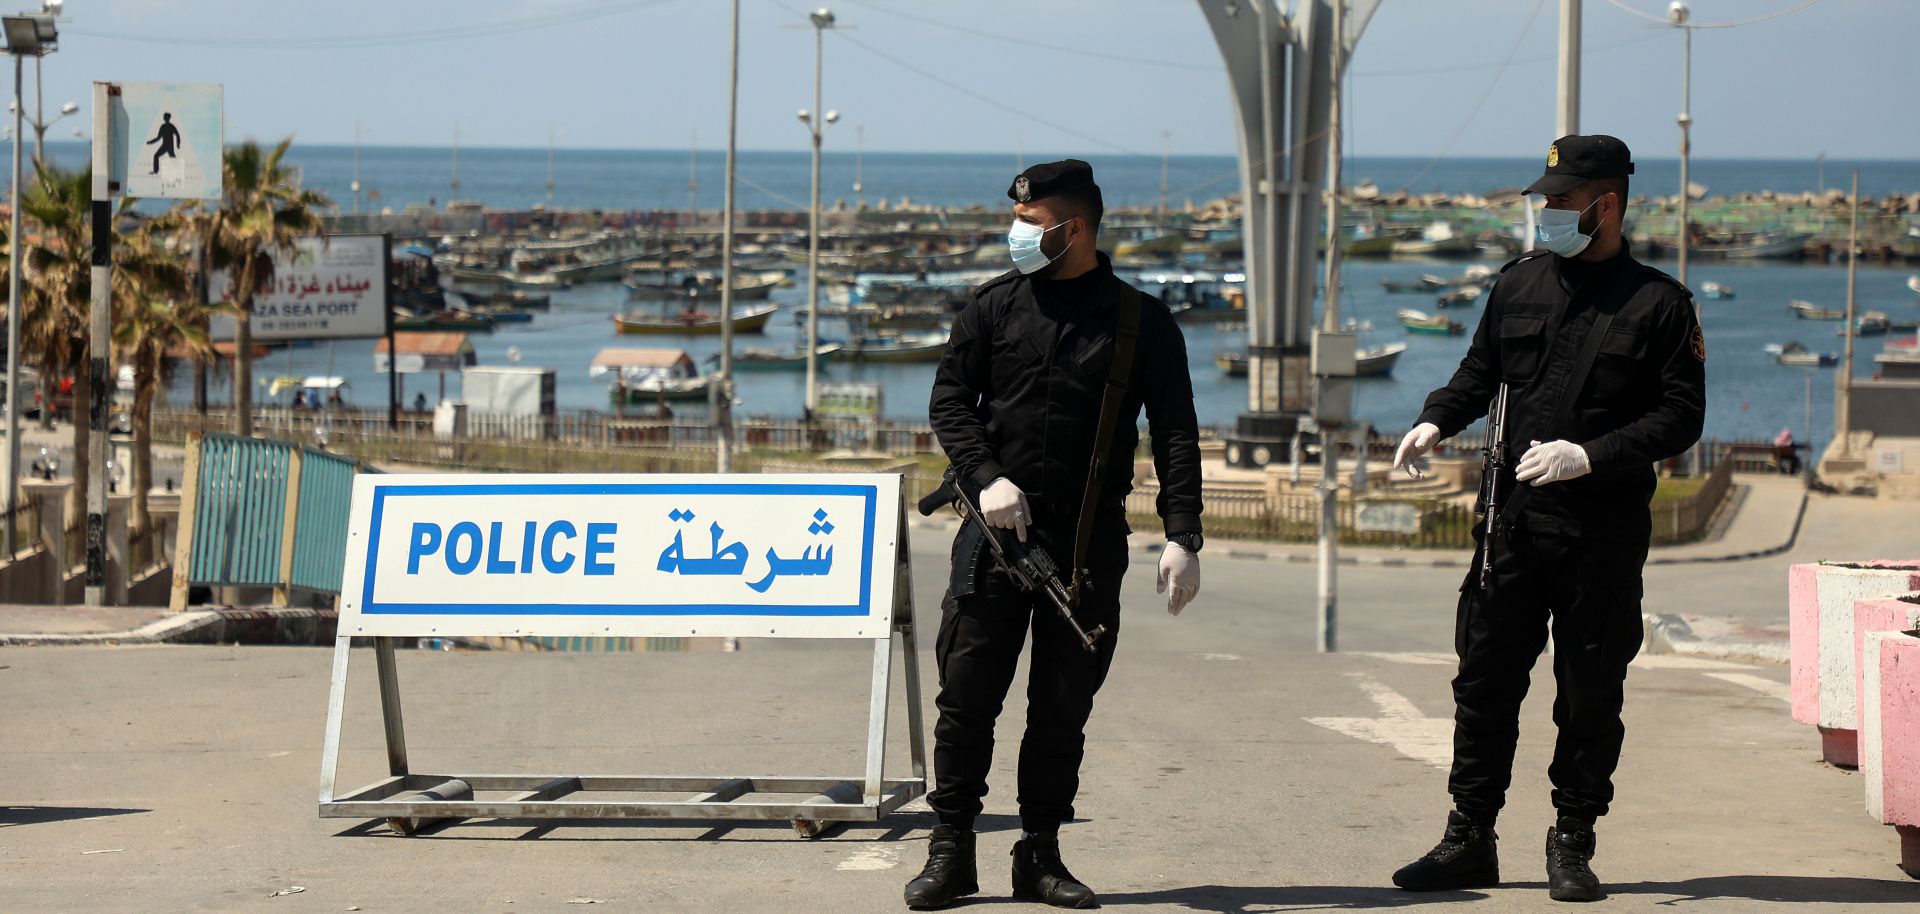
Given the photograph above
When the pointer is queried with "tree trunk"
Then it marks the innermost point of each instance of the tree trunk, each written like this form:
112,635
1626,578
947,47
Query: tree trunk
49,386
144,386
200,387
243,352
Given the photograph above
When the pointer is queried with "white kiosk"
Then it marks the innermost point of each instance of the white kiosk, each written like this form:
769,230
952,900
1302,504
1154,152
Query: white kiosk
739,556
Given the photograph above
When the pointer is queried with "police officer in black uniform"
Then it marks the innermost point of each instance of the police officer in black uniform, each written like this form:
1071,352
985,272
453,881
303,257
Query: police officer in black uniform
1016,404
1572,527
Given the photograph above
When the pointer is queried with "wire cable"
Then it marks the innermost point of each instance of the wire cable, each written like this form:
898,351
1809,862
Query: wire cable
1518,42
393,39
1732,23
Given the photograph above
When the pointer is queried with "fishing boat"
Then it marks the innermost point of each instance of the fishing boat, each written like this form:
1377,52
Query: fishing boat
1377,361
503,315
1808,311
1426,283
1753,245
1796,355
1913,282
1439,239
1153,246
1232,364
511,298
1459,296
450,319
922,347
1900,359
695,322
1872,323
1716,291
649,375
760,359
1422,322
671,284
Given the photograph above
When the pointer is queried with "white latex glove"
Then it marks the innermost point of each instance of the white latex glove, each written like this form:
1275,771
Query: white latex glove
1554,461
1415,446
1005,506
1182,568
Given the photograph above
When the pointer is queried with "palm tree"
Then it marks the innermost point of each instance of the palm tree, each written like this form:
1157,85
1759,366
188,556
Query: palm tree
156,322
263,213
55,320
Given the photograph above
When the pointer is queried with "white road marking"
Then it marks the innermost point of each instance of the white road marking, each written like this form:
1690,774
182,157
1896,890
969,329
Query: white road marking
1764,686
877,858
1412,658
1399,727
1681,662
1226,657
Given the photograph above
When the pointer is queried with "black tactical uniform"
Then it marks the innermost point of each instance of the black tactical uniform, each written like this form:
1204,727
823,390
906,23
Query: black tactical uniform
1574,550
1017,394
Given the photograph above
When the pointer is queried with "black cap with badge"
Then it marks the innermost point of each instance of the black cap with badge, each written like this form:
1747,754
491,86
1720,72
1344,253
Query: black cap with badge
1575,160
1049,178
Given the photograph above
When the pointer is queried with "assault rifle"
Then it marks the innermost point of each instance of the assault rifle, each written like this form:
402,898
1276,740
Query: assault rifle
1491,469
1028,564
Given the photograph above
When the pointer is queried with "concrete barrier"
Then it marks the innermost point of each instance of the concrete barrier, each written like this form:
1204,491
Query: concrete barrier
1820,622
1890,731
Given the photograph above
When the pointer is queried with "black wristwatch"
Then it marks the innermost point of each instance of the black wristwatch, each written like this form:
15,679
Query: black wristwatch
1188,541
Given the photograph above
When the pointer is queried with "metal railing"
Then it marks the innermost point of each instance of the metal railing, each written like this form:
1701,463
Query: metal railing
1684,520
24,519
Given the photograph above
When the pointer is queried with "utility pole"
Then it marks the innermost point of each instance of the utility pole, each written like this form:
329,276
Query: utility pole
455,191
356,168
723,405
817,123
1327,629
1567,118
1166,152
1843,414
1677,14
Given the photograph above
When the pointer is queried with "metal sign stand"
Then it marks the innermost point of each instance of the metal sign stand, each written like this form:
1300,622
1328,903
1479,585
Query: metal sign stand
411,801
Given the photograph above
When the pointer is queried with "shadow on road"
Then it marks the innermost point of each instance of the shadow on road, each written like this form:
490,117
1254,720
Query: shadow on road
1801,890
40,815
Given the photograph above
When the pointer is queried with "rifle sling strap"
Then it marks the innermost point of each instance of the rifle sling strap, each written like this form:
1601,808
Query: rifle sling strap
1582,366
1126,335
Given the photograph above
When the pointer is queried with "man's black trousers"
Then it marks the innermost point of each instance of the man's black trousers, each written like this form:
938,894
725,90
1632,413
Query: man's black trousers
1588,592
983,630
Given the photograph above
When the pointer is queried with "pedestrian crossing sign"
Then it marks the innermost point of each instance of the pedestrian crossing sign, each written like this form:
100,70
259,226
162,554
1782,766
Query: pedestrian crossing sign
167,140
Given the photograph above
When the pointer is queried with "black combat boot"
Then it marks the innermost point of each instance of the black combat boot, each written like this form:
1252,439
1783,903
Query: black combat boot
949,874
1466,858
1038,874
1570,845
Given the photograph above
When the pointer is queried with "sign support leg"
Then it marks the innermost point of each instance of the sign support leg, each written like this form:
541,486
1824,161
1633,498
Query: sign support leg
877,716
390,706
336,709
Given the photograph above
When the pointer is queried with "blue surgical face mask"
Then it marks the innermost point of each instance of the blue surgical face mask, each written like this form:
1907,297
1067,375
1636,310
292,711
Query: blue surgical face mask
1558,231
1023,242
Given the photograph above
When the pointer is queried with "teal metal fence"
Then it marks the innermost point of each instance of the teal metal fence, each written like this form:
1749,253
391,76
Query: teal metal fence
240,514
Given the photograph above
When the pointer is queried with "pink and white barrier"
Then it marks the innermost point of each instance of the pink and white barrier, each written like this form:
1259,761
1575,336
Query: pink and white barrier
1890,736
1821,644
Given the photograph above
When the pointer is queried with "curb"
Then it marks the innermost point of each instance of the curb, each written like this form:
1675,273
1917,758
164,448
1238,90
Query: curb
1668,633
214,625
1793,536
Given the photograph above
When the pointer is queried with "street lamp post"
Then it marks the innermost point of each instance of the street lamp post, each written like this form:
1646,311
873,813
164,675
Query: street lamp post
822,20
1677,14
356,167
28,35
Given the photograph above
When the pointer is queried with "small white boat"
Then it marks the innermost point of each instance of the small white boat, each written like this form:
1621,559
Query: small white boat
1796,355
1716,291
1913,282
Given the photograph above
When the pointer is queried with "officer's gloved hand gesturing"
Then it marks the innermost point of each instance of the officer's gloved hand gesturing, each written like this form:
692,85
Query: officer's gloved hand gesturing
1415,446
1554,461
1181,569
1005,506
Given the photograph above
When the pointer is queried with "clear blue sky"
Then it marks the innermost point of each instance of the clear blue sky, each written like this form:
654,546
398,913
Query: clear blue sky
1838,76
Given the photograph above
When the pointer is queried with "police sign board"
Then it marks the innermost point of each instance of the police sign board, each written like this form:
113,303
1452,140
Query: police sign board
333,287
806,556
167,139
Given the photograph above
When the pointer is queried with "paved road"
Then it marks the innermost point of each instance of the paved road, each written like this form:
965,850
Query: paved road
1229,769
